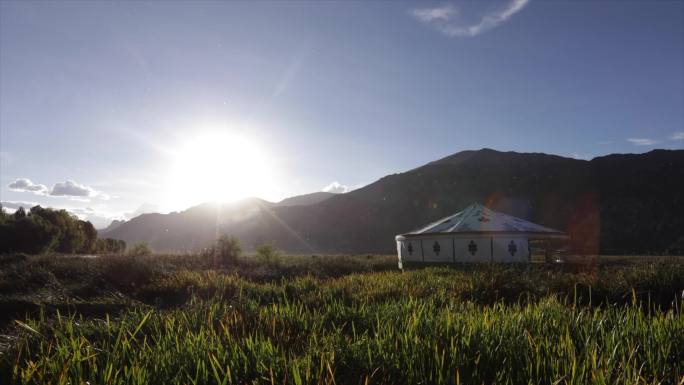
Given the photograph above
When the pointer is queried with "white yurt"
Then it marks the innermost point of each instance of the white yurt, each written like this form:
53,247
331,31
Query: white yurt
476,234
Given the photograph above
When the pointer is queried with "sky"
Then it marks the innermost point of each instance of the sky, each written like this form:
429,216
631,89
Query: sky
111,109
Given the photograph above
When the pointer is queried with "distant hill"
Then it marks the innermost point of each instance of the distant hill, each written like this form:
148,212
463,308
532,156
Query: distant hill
115,223
612,204
299,200
306,199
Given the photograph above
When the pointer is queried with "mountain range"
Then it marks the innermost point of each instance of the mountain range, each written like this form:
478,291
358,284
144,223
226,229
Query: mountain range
614,204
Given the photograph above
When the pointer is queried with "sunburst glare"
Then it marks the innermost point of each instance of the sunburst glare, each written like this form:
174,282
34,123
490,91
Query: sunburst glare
218,167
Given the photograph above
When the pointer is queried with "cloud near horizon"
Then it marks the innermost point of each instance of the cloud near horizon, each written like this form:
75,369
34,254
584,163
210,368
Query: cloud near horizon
69,189
339,188
336,187
12,206
677,136
99,218
445,18
642,141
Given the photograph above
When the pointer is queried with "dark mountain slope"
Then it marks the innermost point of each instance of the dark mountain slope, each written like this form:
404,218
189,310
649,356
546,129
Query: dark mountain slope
306,199
642,201
617,204
534,186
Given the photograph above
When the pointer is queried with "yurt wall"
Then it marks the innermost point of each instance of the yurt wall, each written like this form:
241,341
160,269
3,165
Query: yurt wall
473,248
464,248
511,249
438,249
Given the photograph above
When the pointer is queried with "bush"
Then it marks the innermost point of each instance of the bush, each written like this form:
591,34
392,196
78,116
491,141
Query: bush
227,249
140,249
268,254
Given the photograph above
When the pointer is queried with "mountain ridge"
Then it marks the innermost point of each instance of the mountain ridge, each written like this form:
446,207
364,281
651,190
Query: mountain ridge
306,199
599,202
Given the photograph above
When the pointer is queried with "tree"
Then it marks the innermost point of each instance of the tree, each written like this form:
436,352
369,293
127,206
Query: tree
25,233
20,213
33,235
110,246
72,236
90,237
42,230
100,246
227,249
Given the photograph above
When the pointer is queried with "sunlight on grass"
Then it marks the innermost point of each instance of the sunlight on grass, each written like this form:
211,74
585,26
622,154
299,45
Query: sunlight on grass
437,325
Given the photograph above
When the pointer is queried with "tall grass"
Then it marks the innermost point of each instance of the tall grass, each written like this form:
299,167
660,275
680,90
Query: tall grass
429,326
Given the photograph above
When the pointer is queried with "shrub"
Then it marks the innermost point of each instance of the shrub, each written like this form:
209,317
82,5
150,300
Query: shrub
140,249
227,249
267,254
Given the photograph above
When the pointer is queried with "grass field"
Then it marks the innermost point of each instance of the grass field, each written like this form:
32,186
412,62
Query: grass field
344,320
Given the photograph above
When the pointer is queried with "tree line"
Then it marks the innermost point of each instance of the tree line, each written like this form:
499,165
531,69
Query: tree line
43,230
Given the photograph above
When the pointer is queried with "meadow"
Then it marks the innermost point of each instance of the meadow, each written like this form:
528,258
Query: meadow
339,319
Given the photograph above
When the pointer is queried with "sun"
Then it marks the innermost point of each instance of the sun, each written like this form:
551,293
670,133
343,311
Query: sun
217,167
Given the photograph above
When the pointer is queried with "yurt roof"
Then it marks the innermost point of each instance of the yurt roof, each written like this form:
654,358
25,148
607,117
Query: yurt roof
477,218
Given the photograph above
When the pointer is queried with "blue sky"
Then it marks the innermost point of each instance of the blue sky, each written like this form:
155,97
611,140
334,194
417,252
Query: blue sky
98,101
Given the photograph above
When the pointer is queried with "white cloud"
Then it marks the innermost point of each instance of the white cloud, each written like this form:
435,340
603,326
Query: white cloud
25,184
72,189
339,188
69,189
444,19
642,141
677,136
336,187
427,15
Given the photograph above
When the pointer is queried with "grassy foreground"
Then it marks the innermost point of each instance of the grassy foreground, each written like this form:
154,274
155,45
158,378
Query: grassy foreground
605,324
